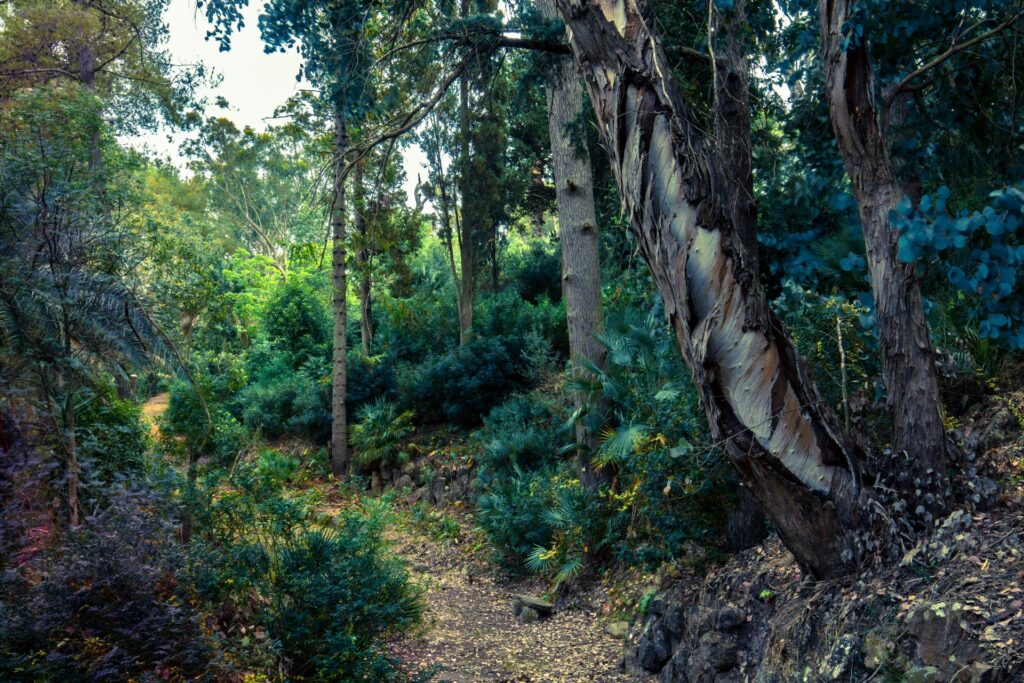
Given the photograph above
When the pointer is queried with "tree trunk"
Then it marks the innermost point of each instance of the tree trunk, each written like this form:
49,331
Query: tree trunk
466,226
908,361
339,418
577,232
778,433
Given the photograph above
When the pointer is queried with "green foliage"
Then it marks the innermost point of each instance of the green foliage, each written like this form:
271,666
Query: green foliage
297,324
511,512
462,385
185,418
283,399
327,597
379,435
980,254
112,439
521,432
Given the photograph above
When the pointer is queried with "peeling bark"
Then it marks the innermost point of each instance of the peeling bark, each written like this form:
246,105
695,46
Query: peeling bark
778,433
578,234
908,360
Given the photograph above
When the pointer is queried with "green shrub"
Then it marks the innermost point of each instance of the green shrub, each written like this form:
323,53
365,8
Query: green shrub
522,432
511,512
112,438
327,597
296,322
461,386
369,378
379,434
185,418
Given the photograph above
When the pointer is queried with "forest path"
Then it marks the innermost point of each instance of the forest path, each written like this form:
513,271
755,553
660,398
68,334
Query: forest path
153,408
470,634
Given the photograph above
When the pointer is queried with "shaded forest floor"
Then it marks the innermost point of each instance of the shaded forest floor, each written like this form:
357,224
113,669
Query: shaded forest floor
469,632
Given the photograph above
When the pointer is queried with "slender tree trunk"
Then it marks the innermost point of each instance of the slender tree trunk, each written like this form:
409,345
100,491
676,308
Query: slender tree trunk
778,433
339,418
363,257
467,227
577,232
908,361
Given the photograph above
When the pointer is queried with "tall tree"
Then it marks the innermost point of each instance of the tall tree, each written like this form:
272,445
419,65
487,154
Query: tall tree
783,440
908,359
577,232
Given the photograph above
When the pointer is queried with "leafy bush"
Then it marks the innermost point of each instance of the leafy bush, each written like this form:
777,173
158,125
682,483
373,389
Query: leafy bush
369,378
296,323
326,597
537,273
185,418
521,432
379,434
281,399
109,606
112,437
980,253
511,512
505,314
463,385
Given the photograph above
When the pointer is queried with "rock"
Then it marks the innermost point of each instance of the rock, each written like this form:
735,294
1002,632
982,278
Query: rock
617,629
439,492
675,621
979,672
375,482
409,468
517,607
941,642
404,482
675,671
877,651
922,674
716,652
657,605
542,607
420,494
528,615
730,619
840,660
654,649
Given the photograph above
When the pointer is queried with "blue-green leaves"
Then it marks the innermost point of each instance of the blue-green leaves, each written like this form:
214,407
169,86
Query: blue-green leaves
985,249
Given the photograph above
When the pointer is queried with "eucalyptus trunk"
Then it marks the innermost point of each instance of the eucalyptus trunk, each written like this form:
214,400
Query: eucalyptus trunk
908,360
782,438
577,232
339,417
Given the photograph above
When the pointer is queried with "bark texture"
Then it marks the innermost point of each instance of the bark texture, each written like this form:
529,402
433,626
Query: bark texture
908,360
577,232
778,433
339,386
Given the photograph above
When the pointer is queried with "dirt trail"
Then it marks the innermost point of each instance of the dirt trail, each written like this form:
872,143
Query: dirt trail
153,409
471,635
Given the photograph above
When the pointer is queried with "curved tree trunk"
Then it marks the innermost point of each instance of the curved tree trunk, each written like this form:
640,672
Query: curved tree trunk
339,418
778,433
577,232
908,361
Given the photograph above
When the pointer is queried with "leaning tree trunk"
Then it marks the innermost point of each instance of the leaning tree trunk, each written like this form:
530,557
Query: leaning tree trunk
908,361
778,433
577,232
339,418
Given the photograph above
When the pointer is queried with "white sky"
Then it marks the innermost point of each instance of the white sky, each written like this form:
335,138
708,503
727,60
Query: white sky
254,83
